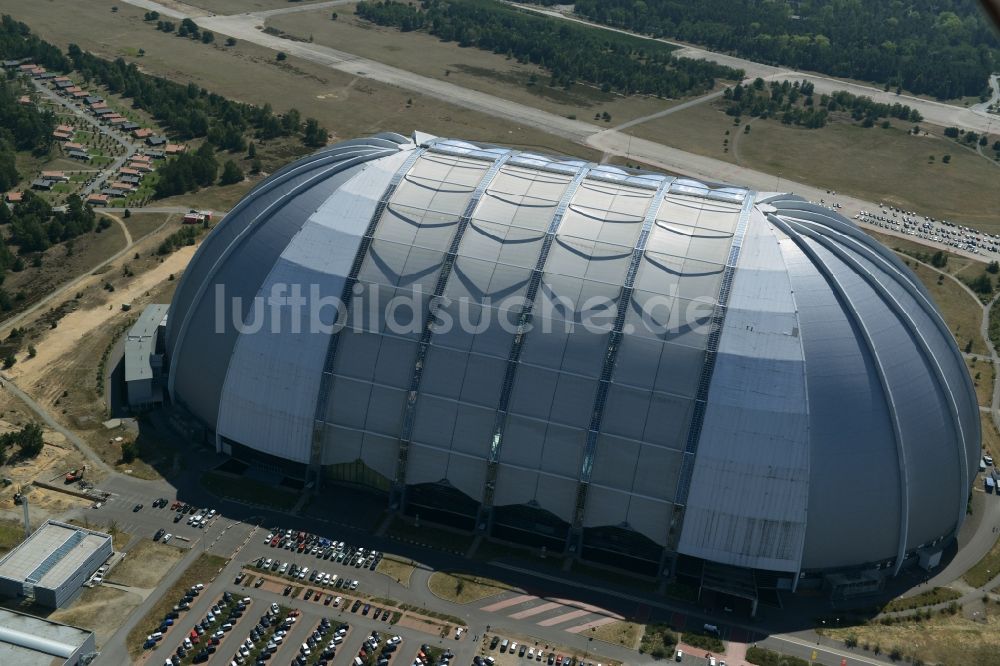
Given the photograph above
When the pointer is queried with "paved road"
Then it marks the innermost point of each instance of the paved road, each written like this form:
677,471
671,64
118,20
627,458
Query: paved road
244,26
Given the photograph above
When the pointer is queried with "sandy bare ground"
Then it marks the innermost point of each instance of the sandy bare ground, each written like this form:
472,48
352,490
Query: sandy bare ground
57,345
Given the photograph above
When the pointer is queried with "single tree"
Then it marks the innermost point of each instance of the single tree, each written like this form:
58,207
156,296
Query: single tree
231,173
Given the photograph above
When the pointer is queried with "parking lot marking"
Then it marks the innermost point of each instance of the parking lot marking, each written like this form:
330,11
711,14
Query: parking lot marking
507,603
536,610
565,617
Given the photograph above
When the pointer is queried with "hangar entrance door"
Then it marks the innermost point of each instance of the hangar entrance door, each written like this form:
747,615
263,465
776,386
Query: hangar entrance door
728,588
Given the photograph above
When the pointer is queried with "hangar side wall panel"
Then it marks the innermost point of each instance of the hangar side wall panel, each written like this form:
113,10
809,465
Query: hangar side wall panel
926,430
853,460
203,355
749,492
270,393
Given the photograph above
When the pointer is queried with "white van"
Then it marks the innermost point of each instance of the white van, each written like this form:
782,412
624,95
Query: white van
358,662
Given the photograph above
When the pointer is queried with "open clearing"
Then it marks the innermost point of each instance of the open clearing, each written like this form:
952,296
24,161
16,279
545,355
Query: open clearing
961,312
982,373
876,164
470,68
202,570
396,569
985,569
627,634
146,564
100,609
991,438
463,588
348,106
944,639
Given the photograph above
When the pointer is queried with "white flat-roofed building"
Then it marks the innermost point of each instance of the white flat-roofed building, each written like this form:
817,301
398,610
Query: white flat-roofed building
142,360
26,640
53,563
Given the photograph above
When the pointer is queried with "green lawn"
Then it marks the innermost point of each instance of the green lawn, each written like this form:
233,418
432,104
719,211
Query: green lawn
986,569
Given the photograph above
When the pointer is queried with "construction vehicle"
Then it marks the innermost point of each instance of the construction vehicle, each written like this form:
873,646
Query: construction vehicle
76,475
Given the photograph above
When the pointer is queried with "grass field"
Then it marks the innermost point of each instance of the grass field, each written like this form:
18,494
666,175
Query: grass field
139,223
986,569
929,598
943,639
627,634
875,164
100,609
991,438
346,105
463,588
982,373
146,564
961,312
397,569
201,570
11,534
62,262
470,68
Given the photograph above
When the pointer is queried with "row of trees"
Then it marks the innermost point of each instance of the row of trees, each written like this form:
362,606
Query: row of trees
794,103
188,28
22,127
569,52
945,48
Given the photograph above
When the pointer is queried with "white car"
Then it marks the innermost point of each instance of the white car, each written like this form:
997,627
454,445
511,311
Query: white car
267,540
167,537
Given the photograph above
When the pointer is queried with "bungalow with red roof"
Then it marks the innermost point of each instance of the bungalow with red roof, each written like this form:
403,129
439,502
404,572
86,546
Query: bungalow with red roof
125,171
142,133
62,136
98,200
24,100
13,197
175,148
64,128
70,145
59,176
121,185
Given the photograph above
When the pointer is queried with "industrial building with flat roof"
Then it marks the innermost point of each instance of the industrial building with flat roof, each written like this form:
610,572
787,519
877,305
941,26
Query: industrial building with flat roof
53,563
26,640
142,358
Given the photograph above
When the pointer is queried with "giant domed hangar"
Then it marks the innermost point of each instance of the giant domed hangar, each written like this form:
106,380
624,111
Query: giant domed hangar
770,389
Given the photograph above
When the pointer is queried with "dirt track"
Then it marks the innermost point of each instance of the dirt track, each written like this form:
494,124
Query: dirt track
56,346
